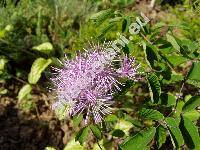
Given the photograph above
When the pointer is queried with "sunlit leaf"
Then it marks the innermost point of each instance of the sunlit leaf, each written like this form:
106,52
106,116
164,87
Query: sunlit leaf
124,126
62,112
176,60
3,62
73,145
44,47
49,148
193,115
24,91
151,55
96,146
38,66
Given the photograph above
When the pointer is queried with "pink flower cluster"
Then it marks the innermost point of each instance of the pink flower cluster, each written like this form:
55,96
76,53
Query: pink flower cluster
86,84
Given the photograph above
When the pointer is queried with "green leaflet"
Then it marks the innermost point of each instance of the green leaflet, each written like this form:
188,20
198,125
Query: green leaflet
82,135
193,115
44,47
176,60
151,114
124,125
96,131
191,104
62,112
151,55
77,120
172,40
3,62
139,141
24,91
101,16
154,87
105,30
126,23
190,133
111,118
193,82
38,66
24,97
167,100
96,146
118,133
160,135
194,73
73,145
175,132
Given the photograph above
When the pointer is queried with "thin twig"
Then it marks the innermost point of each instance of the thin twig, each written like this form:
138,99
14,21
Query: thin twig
37,112
146,38
20,80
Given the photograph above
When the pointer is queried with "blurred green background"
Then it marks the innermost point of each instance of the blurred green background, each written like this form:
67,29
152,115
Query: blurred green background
37,34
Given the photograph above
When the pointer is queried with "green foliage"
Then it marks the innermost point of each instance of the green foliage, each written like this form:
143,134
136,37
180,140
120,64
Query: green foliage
72,144
24,91
111,118
44,47
35,35
167,100
124,125
172,40
160,136
194,72
96,131
140,140
77,120
154,87
101,16
190,133
62,112
118,133
37,68
175,132
82,135
151,114
192,115
192,103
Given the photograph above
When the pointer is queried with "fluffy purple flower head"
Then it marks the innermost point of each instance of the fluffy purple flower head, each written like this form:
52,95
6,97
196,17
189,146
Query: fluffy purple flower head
86,83
127,69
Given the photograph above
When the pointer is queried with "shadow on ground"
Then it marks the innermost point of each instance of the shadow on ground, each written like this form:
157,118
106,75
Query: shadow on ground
18,132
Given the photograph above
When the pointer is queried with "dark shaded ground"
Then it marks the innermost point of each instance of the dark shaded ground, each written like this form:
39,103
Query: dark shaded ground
36,129
31,131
